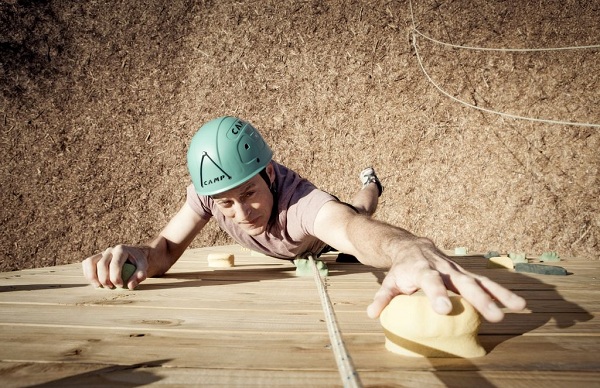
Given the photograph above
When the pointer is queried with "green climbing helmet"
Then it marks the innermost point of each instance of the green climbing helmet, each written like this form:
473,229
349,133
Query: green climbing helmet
224,153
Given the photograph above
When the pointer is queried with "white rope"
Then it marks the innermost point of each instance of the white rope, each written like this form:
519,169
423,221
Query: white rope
512,116
508,50
504,114
346,368
416,30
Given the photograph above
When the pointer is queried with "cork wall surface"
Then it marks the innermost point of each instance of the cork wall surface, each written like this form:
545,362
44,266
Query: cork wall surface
100,99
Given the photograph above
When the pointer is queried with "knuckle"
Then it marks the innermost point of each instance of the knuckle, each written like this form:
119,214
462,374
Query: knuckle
118,250
431,274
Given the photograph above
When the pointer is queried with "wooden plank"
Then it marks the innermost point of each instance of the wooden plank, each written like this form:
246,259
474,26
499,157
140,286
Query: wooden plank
257,324
513,324
544,352
226,318
249,350
481,378
233,319
151,374
19,375
292,295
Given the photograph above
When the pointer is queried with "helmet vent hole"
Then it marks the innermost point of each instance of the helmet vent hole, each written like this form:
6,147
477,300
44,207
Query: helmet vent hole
246,146
257,160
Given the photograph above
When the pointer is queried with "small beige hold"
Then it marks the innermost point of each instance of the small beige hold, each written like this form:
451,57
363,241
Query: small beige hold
221,260
413,329
500,262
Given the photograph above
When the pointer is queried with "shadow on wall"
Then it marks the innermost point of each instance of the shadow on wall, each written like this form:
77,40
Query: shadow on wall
31,38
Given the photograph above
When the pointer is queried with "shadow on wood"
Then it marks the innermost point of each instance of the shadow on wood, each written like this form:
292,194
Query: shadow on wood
124,375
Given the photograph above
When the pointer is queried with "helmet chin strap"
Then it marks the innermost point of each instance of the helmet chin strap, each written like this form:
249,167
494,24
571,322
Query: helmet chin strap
265,177
273,189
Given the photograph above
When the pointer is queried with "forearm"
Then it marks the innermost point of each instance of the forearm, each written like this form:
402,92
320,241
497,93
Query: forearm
173,240
379,244
161,256
373,242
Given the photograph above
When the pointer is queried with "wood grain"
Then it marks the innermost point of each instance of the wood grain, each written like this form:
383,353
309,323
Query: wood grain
258,324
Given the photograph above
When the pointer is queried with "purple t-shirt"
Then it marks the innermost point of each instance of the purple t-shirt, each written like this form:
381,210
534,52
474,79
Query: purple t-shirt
292,233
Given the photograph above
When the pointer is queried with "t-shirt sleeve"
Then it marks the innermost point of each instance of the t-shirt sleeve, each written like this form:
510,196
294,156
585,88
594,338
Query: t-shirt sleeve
308,206
197,203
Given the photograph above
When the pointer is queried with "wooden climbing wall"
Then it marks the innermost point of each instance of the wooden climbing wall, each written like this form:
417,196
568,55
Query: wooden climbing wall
258,324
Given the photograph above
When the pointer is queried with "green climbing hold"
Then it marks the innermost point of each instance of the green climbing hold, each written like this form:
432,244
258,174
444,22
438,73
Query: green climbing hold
518,257
126,272
304,268
550,256
541,269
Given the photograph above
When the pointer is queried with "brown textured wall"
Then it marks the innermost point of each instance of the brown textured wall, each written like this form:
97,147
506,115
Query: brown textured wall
99,101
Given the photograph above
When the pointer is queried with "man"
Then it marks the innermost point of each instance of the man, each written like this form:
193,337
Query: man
268,208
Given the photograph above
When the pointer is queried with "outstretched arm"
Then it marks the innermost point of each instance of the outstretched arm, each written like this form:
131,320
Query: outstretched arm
414,263
153,259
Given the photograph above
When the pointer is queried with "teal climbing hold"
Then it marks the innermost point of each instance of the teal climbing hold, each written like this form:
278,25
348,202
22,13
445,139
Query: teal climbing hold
549,256
542,269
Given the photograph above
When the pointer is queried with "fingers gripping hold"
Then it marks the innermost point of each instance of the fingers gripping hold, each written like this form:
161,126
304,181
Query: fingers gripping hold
105,269
433,286
89,269
436,280
390,287
119,257
102,268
